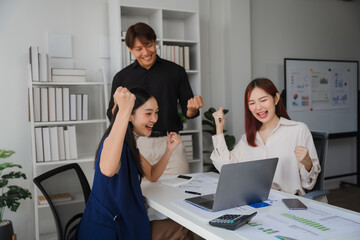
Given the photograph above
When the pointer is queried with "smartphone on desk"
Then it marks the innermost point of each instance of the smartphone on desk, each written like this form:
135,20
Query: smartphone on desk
184,177
294,204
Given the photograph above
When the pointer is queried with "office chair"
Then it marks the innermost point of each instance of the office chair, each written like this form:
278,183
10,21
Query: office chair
321,144
65,179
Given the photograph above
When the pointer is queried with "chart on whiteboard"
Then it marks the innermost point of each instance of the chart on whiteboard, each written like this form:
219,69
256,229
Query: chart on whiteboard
315,89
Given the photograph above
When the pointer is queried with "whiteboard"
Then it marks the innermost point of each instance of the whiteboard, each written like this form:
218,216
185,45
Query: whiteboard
323,94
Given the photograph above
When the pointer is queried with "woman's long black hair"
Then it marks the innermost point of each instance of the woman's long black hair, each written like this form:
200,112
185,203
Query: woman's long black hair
142,95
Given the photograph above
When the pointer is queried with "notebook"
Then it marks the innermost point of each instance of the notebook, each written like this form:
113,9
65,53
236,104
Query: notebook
239,184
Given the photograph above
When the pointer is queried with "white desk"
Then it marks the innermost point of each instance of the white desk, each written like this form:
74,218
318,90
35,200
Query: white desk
163,199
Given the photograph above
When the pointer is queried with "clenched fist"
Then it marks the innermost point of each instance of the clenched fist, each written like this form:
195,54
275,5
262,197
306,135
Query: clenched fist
124,99
219,118
302,155
193,106
173,141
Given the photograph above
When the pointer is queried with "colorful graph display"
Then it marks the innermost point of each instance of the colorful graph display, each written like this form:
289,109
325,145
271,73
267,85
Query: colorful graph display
269,231
306,221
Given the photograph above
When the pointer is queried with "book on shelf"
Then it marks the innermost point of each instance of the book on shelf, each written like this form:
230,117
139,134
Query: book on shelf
34,61
132,57
37,104
128,57
168,53
52,104
124,54
176,55
163,52
189,149
187,143
44,67
189,156
66,104
187,137
85,106
187,57
73,106
73,143
61,142
55,198
66,78
46,144
59,104
181,56
39,145
78,107
54,144
67,143
68,71
158,50
187,140
44,104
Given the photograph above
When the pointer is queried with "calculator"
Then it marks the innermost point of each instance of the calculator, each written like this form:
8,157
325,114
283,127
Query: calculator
231,221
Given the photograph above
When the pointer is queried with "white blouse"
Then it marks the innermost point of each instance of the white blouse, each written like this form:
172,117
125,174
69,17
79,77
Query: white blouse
290,175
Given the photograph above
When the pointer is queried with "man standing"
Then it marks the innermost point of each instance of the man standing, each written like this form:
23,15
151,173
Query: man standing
169,84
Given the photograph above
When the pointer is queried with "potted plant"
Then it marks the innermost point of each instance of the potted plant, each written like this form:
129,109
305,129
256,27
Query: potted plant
10,194
210,127
183,119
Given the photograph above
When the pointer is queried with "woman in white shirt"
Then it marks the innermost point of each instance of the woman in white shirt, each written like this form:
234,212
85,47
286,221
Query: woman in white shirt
269,132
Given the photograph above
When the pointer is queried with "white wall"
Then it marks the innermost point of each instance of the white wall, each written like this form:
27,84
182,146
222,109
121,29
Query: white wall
24,23
226,58
322,29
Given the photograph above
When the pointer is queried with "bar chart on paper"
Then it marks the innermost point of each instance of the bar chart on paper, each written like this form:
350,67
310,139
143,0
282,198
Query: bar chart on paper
318,222
306,221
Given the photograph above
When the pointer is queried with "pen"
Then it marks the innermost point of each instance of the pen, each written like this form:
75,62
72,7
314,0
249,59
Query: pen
191,192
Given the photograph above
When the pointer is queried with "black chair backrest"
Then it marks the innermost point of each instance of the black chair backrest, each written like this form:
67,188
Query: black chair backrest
65,179
321,145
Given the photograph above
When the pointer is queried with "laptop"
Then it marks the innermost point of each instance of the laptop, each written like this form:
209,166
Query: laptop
239,184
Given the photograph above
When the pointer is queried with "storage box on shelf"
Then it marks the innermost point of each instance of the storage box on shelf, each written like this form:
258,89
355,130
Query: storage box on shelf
176,24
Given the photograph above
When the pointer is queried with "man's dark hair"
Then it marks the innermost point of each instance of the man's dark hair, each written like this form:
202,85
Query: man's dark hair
142,31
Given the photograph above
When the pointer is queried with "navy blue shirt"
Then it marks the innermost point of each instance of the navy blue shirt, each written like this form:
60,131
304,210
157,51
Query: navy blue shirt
116,208
167,81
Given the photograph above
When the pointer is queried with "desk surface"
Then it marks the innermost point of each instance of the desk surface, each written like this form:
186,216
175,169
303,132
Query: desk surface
165,199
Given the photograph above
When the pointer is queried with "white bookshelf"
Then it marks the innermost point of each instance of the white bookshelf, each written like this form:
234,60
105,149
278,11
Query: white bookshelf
175,22
88,135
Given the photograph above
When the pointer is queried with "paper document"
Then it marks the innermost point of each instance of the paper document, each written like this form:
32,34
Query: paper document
198,183
175,181
317,222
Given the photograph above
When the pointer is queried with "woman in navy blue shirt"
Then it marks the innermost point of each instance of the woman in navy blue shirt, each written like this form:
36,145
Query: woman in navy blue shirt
116,209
